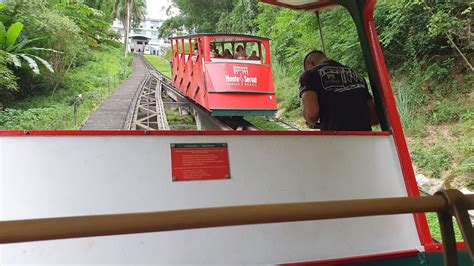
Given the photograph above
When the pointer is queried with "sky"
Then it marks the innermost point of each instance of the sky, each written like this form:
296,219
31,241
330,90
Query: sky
157,8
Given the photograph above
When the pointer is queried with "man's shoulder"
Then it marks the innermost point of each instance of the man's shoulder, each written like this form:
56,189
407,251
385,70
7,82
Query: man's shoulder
329,62
307,76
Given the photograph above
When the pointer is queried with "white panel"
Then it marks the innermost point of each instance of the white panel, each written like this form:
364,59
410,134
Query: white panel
66,176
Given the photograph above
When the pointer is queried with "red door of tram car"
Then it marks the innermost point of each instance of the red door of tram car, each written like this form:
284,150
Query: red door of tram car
229,75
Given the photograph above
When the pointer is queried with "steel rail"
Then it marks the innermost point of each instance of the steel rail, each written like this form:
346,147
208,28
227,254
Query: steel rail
285,124
117,224
204,120
147,110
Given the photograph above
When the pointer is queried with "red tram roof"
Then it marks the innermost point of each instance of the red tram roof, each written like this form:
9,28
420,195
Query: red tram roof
243,36
307,5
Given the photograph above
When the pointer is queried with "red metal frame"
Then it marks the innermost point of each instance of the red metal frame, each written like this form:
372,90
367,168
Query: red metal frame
394,119
429,248
438,247
372,257
71,133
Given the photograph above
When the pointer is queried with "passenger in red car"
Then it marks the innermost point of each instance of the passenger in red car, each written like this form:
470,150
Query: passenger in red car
240,53
253,56
227,54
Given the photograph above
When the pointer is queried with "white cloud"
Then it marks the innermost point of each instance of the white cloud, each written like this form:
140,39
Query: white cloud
157,8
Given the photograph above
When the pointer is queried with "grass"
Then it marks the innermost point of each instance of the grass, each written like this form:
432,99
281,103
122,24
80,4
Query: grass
160,64
264,124
437,117
177,121
435,230
87,85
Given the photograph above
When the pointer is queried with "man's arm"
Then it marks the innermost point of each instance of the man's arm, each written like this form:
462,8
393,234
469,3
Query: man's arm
310,107
374,120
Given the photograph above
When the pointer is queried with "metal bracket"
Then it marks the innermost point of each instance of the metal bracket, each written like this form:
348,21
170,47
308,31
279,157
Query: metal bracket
457,206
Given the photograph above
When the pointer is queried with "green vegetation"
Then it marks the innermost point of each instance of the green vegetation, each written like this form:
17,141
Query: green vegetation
88,85
74,42
15,51
433,223
178,121
160,63
264,124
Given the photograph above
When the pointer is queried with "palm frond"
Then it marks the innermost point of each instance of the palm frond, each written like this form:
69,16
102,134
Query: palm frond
23,43
15,60
29,49
45,63
13,33
118,5
32,63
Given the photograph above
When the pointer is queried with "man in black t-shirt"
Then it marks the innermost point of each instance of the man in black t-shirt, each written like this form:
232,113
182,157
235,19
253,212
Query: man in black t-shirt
335,95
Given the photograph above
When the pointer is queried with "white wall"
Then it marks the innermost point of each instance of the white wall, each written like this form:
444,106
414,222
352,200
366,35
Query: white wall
68,176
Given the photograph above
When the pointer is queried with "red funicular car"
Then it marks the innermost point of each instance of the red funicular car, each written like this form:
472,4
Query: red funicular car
227,74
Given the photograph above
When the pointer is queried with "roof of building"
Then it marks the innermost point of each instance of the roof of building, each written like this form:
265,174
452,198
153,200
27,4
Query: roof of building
139,37
308,5
220,34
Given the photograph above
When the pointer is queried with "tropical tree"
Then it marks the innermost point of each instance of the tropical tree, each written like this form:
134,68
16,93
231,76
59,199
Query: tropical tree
17,51
241,19
130,13
7,78
197,16
92,22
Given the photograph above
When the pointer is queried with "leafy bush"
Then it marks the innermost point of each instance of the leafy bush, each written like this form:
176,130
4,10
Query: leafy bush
467,167
470,184
51,31
446,111
95,80
34,118
412,122
414,30
432,159
7,79
92,23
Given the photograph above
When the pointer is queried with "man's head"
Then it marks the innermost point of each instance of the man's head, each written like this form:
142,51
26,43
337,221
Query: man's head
313,59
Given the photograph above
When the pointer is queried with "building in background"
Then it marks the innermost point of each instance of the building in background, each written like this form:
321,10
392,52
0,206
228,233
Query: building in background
148,29
140,44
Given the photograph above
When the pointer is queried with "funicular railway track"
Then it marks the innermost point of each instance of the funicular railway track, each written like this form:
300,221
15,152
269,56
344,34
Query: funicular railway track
149,112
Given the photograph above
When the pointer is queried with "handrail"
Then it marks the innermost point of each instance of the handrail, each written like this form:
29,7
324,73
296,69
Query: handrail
116,224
